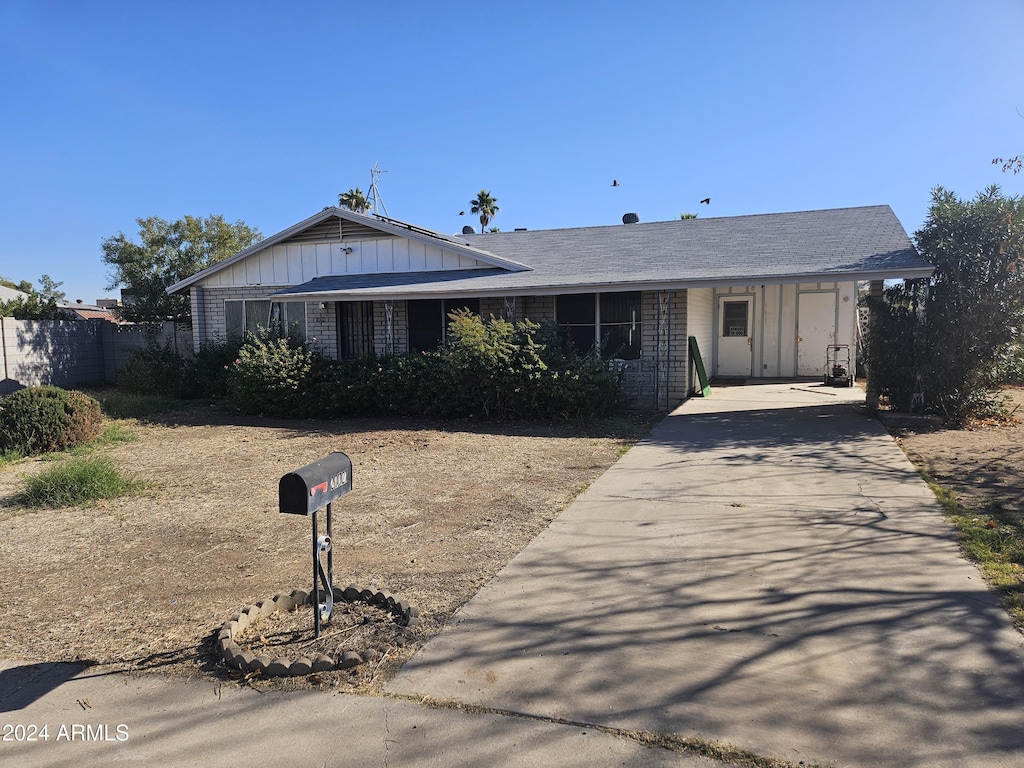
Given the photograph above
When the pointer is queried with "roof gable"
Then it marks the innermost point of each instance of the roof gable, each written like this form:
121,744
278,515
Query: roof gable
338,226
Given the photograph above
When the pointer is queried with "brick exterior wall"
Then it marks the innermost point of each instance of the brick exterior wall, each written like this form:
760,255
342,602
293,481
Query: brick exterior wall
660,379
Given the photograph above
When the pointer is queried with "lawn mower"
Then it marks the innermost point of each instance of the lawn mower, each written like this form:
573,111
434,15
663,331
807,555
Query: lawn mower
837,366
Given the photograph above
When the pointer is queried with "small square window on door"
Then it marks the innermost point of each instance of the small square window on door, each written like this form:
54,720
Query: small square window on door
735,321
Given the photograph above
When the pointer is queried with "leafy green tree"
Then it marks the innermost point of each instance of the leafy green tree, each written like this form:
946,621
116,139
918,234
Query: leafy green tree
165,253
354,200
38,304
486,206
957,326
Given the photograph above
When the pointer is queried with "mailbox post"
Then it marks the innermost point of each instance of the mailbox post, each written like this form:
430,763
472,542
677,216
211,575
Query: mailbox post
305,492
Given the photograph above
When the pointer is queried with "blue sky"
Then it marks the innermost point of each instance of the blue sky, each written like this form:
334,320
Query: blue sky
265,111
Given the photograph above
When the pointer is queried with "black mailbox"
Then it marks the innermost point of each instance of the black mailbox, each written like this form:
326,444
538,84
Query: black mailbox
315,485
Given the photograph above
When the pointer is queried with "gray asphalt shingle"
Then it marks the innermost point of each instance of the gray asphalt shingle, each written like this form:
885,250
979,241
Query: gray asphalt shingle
834,244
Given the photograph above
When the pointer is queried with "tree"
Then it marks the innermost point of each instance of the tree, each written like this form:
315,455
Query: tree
354,200
166,253
37,305
958,325
486,206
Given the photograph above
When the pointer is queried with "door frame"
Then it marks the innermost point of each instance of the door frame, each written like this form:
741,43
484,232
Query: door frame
751,298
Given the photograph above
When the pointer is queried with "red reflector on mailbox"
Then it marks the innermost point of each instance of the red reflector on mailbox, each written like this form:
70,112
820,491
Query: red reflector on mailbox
315,485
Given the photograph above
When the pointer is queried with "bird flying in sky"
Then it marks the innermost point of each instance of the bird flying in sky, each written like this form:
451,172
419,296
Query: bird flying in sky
706,201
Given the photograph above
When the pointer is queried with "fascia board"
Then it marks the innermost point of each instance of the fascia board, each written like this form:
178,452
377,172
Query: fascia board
410,292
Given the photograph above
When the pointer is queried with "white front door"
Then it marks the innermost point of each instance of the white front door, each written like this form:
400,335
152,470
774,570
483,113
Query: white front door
735,336
816,329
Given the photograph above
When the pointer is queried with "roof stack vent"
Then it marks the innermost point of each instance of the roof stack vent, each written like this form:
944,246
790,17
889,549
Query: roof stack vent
630,218
468,230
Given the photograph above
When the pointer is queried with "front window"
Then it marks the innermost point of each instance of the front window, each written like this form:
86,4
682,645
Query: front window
620,326
281,316
610,323
428,319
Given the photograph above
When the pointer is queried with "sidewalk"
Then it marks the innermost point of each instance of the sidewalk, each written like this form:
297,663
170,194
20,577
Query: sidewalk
766,570
149,721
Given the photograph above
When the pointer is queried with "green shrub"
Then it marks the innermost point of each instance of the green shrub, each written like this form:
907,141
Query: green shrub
892,348
207,372
163,371
43,419
485,369
76,481
490,369
154,370
272,376
126,405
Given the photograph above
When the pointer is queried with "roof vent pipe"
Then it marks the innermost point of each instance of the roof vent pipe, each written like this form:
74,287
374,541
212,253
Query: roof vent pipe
630,218
468,230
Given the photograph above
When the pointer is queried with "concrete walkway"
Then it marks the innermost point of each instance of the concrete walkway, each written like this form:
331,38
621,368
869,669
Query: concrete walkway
766,570
96,721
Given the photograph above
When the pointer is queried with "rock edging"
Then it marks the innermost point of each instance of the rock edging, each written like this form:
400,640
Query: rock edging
234,656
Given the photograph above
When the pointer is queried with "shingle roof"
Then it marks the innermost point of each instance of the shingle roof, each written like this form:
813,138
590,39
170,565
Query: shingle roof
866,243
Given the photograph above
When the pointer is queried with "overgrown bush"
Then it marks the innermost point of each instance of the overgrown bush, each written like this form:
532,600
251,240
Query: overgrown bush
154,370
957,332
490,369
891,350
207,372
272,376
485,369
163,371
43,419
1010,365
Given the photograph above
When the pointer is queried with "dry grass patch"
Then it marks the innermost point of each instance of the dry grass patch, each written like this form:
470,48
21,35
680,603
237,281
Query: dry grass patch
142,583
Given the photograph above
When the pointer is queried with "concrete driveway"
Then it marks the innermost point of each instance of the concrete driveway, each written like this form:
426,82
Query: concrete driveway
766,570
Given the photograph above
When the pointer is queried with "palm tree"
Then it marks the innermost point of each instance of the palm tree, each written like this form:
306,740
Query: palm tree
354,200
486,206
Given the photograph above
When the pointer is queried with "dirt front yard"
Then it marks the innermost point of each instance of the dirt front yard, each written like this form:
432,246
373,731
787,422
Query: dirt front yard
436,510
144,583
983,465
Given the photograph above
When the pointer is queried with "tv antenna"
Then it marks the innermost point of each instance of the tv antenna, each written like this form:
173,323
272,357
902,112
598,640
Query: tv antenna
375,200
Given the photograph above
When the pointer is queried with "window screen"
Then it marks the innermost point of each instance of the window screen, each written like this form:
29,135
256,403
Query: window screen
428,320
614,318
734,318
577,316
248,315
621,326
425,324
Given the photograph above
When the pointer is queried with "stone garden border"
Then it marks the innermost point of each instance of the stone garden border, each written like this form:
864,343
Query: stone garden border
234,656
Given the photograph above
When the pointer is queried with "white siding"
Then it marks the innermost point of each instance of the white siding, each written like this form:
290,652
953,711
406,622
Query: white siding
775,322
289,264
700,323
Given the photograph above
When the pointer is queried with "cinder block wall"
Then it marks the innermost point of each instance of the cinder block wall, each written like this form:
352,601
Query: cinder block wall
73,353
